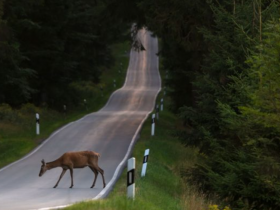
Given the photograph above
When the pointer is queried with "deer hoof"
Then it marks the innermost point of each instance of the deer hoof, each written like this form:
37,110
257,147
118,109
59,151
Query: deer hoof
55,186
71,186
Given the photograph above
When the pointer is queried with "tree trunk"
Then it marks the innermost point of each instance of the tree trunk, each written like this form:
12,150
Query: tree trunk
260,16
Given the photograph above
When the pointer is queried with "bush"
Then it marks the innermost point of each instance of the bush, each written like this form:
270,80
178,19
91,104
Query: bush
29,109
7,114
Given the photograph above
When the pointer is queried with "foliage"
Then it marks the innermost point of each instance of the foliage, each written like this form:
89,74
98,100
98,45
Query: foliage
7,113
48,45
13,78
238,140
229,105
216,207
177,23
265,63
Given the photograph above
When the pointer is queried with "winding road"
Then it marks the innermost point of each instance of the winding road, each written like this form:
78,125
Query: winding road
111,131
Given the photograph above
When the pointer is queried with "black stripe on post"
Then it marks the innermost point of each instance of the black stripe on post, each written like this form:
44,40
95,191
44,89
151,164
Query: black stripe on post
153,120
145,159
37,120
130,177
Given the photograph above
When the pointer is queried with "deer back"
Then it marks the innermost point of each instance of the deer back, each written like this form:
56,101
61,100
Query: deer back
80,159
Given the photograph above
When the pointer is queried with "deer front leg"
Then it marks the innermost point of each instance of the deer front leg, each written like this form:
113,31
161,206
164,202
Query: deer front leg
71,173
61,175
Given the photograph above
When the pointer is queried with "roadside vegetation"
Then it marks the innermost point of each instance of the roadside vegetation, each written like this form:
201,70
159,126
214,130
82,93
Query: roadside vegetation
17,126
222,59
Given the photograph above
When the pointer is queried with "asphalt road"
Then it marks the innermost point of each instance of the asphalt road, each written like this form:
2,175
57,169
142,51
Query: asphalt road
111,132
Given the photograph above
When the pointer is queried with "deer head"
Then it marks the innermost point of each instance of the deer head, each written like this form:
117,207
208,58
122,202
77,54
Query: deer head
43,168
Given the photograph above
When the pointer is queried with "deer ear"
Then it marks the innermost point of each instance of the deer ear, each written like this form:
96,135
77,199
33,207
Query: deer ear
43,162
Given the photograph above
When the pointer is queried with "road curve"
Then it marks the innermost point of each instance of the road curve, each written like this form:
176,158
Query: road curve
111,132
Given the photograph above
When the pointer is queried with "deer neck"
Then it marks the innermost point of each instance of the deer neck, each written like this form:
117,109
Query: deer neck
53,164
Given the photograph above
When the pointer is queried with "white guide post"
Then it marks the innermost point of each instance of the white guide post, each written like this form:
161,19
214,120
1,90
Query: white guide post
130,178
145,162
37,124
153,125
161,104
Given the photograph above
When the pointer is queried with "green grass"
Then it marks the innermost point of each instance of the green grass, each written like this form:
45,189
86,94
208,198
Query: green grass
162,187
17,127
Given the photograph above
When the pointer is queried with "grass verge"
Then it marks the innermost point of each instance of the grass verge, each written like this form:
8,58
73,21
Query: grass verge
162,187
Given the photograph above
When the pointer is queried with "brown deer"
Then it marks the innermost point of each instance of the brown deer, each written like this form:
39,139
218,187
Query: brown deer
70,160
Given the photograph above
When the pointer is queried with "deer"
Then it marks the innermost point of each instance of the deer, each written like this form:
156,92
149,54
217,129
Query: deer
71,160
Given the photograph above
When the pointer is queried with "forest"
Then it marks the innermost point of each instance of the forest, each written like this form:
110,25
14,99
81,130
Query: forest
223,64
223,58
48,48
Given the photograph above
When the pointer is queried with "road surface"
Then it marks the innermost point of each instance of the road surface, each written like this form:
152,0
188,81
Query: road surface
111,132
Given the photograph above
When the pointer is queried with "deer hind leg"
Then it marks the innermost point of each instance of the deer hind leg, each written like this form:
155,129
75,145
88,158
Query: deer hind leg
61,175
95,175
102,174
